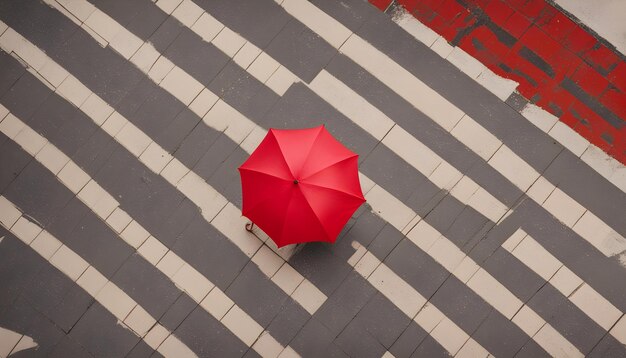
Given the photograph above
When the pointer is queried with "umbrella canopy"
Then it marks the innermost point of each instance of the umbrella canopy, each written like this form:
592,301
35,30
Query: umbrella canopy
300,185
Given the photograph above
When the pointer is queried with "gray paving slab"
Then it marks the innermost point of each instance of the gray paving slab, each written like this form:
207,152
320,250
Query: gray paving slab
455,295
467,225
609,347
565,317
156,113
52,114
387,240
52,30
226,178
318,263
136,96
531,350
429,348
57,297
301,50
178,130
514,274
25,96
19,265
443,215
146,22
210,253
408,341
68,347
207,337
351,14
176,222
99,333
380,309
355,341
217,153
23,318
288,322
36,192
141,350
197,57
313,340
258,21
12,162
242,91
97,150
178,311
147,285
252,293
197,143
10,72
499,338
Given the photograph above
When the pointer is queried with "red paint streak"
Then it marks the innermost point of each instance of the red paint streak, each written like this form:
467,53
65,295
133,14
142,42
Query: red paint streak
568,49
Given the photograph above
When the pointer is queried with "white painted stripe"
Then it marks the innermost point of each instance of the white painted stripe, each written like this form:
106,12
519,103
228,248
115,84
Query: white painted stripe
431,103
129,313
593,304
451,337
609,168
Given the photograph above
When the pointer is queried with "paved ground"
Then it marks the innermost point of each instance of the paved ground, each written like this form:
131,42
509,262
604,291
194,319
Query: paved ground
491,228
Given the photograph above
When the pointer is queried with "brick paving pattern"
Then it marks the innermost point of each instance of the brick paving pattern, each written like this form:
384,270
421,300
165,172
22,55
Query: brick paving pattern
490,228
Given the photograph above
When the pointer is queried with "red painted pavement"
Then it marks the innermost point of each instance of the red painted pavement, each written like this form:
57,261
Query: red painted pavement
560,66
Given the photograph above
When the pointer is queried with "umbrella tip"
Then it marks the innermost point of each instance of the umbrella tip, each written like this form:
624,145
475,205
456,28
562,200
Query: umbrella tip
295,181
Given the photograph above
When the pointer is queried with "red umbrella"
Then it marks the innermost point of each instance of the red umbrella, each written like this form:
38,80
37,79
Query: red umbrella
300,185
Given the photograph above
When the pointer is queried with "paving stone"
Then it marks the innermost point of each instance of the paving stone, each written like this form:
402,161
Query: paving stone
94,154
318,264
467,224
148,286
166,34
142,349
11,72
135,97
50,117
25,96
365,229
12,160
531,349
508,270
178,311
259,22
608,347
25,319
300,50
68,347
416,268
176,132
430,348
453,298
445,213
19,265
313,340
197,144
156,113
99,333
561,313
380,309
574,178
146,22
492,181
351,14
288,322
21,16
210,253
206,336
56,296
36,192
103,71
198,58
333,316
218,148
104,249
408,341
385,242
499,338
356,342
256,294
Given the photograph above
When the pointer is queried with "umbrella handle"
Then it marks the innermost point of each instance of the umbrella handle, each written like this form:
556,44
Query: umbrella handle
249,226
